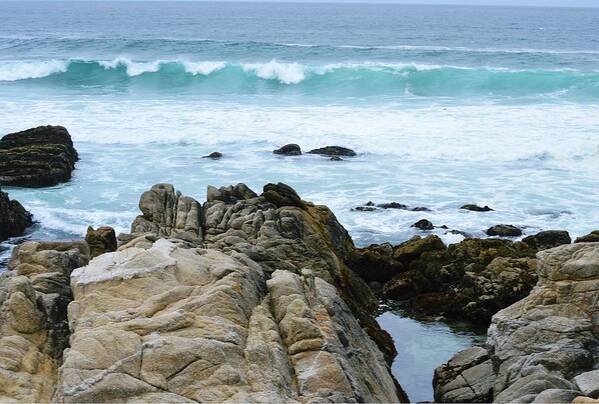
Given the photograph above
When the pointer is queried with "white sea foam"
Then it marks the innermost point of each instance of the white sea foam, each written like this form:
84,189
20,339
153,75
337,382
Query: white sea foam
286,73
133,68
203,68
22,70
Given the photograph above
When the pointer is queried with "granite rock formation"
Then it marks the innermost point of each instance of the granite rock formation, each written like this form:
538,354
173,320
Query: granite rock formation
245,299
34,294
38,157
545,347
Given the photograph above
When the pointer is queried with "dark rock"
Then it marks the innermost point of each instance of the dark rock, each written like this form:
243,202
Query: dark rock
38,157
365,208
100,241
504,230
289,150
214,156
230,193
375,263
476,208
336,158
416,246
334,151
421,209
423,225
391,205
470,280
548,239
592,237
460,232
14,219
282,195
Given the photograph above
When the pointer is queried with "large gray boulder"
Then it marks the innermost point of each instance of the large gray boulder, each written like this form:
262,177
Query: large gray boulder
546,342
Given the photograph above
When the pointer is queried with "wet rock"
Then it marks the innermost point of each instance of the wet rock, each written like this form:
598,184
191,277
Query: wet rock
38,157
334,151
544,346
392,205
421,209
592,237
476,208
101,240
504,230
34,330
14,219
214,156
548,239
336,158
289,150
423,225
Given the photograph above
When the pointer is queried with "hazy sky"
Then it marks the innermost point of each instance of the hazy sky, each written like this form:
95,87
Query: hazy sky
563,3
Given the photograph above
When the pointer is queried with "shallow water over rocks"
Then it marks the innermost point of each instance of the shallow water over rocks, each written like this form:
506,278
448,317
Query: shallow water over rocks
422,345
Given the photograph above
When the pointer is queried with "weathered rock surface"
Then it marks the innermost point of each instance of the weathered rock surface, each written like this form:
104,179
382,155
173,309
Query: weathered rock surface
592,237
101,240
289,150
545,347
167,213
38,157
175,324
470,280
34,294
334,151
246,299
14,219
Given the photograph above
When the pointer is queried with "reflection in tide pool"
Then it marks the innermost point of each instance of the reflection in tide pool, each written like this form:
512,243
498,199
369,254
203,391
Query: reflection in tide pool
421,347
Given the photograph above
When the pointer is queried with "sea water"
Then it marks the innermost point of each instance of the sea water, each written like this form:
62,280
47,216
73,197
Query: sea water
445,105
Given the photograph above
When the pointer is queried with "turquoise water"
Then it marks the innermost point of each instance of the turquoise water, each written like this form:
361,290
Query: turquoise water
445,105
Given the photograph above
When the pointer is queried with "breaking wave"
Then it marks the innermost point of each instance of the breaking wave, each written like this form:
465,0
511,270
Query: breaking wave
366,78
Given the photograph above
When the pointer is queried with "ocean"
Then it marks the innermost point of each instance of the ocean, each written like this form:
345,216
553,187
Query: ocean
445,105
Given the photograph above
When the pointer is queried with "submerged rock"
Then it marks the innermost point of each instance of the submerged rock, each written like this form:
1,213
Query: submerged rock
14,219
334,151
38,157
214,156
592,237
476,208
504,230
289,150
542,348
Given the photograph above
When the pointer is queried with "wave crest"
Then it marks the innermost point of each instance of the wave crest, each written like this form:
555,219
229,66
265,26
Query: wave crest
336,79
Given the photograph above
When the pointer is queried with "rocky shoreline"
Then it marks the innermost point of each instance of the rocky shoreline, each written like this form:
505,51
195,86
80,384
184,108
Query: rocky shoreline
264,298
